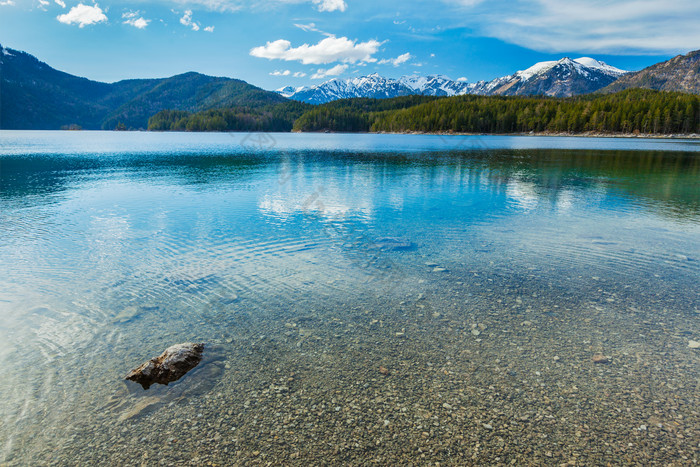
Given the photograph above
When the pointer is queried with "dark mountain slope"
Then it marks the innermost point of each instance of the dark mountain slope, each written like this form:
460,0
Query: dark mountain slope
35,96
681,74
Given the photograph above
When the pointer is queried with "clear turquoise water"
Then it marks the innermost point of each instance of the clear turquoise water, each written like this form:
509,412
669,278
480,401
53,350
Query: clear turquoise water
114,246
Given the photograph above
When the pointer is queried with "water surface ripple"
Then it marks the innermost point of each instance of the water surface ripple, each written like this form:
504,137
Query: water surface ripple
481,274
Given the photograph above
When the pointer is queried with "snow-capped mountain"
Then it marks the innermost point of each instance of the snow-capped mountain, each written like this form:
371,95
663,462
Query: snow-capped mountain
289,91
373,85
560,78
437,85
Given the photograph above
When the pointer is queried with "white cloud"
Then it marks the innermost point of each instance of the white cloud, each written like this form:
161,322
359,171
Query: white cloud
214,5
467,3
60,3
7,3
311,27
463,79
209,29
235,5
306,27
133,18
299,74
281,73
335,71
83,15
330,5
329,50
43,4
186,20
401,59
590,26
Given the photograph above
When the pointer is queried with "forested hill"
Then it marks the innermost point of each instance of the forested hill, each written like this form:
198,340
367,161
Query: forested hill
635,111
273,117
349,115
35,96
632,111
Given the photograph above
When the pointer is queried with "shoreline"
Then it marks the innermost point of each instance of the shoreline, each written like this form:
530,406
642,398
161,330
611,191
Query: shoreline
692,136
534,134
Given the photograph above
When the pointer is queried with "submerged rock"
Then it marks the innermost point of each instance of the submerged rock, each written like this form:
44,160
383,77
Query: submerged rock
392,244
170,366
600,359
126,315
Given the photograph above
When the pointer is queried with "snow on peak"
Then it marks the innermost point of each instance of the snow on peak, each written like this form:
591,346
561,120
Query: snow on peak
536,69
598,65
414,81
434,85
289,91
582,65
556,74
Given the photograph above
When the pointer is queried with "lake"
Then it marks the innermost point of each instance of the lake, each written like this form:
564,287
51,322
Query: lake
363,299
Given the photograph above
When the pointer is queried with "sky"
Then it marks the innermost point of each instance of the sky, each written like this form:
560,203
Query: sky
274,43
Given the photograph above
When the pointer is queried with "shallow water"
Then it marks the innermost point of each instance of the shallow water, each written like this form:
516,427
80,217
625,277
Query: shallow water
482,273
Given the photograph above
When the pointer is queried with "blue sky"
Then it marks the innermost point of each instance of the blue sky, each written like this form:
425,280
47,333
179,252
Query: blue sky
271,43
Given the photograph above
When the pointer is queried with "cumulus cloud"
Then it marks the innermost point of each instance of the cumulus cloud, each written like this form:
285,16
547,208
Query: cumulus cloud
590,26
187,20
463,79
335,71
134,18
7,3
60,3
281,73
299,74
330,5
401,59
329,50
83,15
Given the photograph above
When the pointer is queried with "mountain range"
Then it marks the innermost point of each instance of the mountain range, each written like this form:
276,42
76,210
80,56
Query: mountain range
562,78
376,86
35,96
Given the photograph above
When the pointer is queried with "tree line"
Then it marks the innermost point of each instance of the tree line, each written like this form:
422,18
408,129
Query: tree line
278,117
634,111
